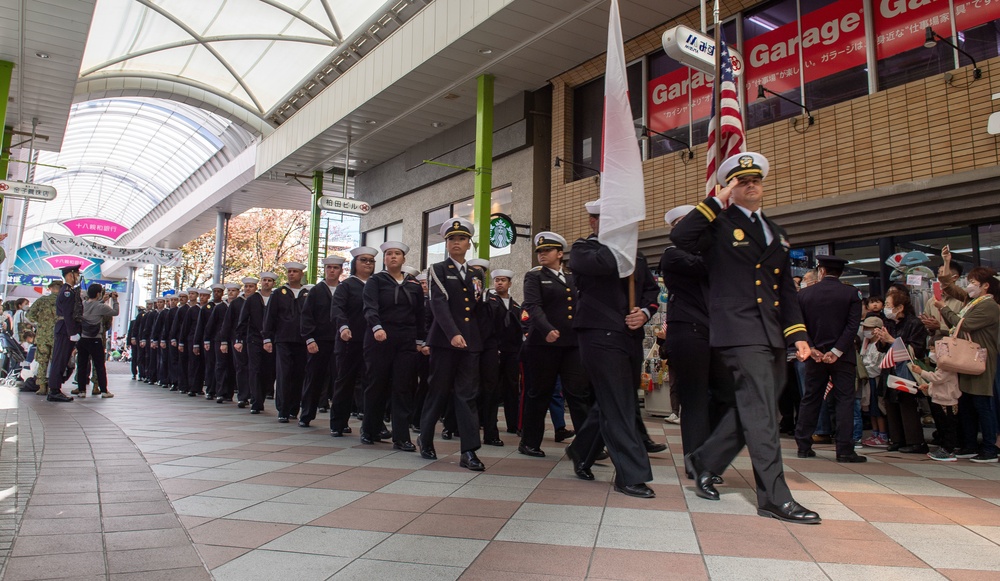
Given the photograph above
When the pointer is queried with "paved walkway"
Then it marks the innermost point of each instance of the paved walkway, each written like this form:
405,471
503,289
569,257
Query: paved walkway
155,485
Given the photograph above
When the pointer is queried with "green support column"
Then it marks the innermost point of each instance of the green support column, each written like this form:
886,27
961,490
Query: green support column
484,162
6,69
313,263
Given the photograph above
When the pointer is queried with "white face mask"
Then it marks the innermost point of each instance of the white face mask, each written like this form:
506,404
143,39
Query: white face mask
802,285
974,290
889,314
868,334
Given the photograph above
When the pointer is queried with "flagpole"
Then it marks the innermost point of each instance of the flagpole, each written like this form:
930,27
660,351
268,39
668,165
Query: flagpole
716,91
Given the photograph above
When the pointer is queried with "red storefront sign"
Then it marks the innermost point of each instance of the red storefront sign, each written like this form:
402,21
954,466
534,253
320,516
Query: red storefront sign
668,99
900,24
972,13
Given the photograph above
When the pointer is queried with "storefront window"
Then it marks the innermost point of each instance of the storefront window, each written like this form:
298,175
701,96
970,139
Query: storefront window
771,49
978,25
834,51
434,250
588,119
899,38
376,237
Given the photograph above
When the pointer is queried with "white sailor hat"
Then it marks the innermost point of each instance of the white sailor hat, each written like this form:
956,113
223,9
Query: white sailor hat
593,207
677,213
297,265
410,270
546,240
743,164
501,272
421,276
480,262
268,274
218,286
334,259
392,244
191,289
250,280
204,291
232,285
150,301
361,250
457,226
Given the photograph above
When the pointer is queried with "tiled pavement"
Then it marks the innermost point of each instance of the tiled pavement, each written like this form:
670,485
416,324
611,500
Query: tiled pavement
253,499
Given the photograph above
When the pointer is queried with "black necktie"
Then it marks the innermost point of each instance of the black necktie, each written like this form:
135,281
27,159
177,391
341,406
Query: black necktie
461,270
758,227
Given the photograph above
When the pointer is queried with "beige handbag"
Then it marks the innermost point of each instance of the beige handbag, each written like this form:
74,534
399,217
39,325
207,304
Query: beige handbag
960,355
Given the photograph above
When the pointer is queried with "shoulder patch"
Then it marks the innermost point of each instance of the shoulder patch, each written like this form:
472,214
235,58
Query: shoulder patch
284,291
536,269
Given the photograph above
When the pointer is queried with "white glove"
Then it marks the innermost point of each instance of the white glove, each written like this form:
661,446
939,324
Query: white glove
74,338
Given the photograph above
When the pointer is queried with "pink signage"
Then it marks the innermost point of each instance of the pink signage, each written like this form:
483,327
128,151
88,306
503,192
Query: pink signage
64,260
95,227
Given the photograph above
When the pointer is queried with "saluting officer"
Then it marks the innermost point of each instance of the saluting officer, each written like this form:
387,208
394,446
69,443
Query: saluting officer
225,372
67,331
455,344
754,317
250,338
348,309
394,311
177,343
832,314
241,364
551,350
283,337
317,326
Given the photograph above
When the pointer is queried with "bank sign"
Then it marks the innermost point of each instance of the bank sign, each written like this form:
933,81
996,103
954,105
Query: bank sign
832,41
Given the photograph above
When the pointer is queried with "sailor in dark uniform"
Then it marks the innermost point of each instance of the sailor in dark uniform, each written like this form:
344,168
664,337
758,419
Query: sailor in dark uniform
610,334
158,339
179,372
754,317
551,350
348,311
510,336
241,365
283,337
832,314
196,362
394,312
250,338
317,326
69,313
455,344
423,362
225,371
146,344
168,354
153,341
204,334
133,341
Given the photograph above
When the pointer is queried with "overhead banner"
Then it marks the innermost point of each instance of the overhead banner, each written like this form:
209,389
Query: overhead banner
62,244
95,227
40,281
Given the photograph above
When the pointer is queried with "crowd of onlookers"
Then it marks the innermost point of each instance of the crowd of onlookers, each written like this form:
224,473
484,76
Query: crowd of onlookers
961,407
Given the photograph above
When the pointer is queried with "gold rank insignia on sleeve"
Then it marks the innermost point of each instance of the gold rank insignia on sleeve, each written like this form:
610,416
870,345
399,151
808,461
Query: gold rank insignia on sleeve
800,328
738,234
706,211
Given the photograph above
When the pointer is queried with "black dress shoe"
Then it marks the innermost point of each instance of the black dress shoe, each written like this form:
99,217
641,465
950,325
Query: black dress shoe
914,449
445,434
428,453
303,424
582,472
494,442
637,490
564,434
282,420
602,455
240,404
220,400
653,447
807,453
529,451
704,485
322,410
193,394
385,435
255,412
209,396
852,458
893,447
337,433
471,461
791,511
404,446
348,430
58,396
366,439
175,388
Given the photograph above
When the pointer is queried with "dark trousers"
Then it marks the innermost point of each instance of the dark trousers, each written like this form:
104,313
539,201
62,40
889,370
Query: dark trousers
789,399
135,360
390,383
241,365
173,359
423,373
62,348
290,365
90,351
489,393
510,388
208,357
225,375
454,377
613,365
152,362
321,369
977,415
261,368
757,372
947,423
350,364
841,399
543,365
196,370
183,377
163,361
703,385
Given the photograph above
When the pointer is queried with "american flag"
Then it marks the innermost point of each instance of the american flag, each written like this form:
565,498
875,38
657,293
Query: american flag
732,139
897,353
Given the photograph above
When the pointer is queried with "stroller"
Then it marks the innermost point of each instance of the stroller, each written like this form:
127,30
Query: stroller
13,359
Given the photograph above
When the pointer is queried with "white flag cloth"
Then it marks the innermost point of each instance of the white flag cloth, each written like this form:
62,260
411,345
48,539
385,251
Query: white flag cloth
623,202
62,244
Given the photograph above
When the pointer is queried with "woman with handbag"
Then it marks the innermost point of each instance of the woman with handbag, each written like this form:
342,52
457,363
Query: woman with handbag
980,319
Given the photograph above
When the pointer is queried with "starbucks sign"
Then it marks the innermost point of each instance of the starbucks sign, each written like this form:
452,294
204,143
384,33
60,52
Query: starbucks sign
501,231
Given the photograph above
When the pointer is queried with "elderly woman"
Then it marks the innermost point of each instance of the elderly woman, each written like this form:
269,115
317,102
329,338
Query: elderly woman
980,318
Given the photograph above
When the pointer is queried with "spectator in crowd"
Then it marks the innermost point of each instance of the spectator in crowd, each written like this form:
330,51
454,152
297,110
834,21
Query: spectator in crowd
905,429
871,358
942,387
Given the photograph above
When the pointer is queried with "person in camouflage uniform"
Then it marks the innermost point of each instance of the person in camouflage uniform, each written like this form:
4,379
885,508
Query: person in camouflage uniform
43,314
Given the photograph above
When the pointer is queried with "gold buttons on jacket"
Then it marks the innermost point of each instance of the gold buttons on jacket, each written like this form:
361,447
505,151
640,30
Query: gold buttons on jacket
467,319
468,308
758,266
466,299
775,303
569,316
569,298
775,287
759,300
569,308
777,271
758,283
